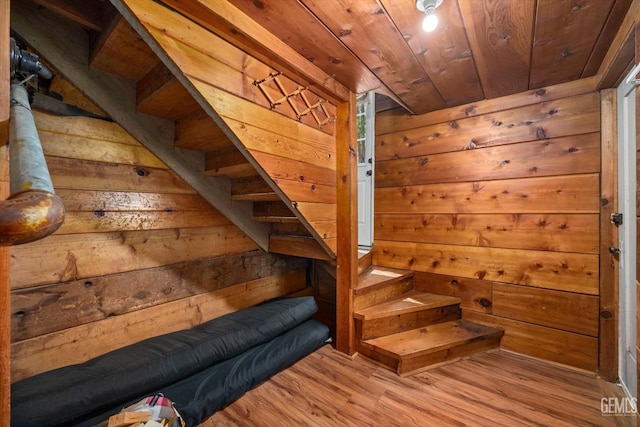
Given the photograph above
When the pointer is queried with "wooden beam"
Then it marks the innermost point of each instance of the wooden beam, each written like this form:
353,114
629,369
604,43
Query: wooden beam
622,63
617,45
67,49
347,253
608,355
5,308
609,31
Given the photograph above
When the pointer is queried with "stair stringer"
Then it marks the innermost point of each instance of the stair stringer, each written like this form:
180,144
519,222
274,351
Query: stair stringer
257,132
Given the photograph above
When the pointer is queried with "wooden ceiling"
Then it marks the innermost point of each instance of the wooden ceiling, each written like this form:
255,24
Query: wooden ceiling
481,49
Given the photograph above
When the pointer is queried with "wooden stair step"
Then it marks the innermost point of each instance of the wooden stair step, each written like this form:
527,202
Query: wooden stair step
411,310
302,246
198,131
379,284
273,212
252,189
228,162
408,302
160,94
377,277
414,350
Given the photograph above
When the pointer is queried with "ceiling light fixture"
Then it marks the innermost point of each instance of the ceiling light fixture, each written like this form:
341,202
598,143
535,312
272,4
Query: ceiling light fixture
428,7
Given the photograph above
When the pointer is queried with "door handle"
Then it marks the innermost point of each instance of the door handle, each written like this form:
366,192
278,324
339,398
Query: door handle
613,250
369,173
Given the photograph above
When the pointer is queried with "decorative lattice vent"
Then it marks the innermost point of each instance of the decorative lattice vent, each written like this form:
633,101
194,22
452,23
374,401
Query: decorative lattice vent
302,101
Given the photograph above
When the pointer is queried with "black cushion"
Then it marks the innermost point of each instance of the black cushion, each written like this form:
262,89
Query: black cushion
199,396
73,392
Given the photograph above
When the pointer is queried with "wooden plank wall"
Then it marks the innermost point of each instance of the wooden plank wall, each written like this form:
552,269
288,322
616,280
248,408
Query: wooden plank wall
139,254
296,151
498,202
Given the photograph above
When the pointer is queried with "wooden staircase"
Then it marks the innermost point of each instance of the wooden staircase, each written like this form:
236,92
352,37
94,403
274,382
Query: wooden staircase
407,330
151,102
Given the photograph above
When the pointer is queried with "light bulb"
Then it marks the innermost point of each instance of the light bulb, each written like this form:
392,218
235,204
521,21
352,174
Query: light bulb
430,22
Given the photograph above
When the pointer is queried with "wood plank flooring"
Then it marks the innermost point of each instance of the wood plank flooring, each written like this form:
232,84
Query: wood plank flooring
490,389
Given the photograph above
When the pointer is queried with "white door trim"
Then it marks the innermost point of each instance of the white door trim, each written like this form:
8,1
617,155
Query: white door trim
626,116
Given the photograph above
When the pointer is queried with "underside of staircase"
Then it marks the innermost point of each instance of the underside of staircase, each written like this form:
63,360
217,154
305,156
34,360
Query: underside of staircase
282,209
407,330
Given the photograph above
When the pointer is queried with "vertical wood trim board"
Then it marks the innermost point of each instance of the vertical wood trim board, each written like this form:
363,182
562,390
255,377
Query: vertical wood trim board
5,308
347,260
637,59
609,313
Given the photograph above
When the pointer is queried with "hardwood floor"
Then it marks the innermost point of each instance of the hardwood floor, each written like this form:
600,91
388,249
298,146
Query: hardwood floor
490,389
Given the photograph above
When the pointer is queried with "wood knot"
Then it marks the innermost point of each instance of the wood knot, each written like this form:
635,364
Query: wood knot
606,314
484,302
540,133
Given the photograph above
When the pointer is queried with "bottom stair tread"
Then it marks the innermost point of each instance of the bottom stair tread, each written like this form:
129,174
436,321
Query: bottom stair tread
431,339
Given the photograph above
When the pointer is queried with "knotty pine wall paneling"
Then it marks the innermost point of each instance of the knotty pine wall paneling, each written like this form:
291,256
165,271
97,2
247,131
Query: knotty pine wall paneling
139,254
498,202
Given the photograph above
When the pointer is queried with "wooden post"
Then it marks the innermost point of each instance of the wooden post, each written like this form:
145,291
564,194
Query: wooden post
5,318
347,253
608,359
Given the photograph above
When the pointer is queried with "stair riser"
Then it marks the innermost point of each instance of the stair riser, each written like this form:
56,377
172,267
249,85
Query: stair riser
364,263
416,364
412,365
379,358
368,329
381,294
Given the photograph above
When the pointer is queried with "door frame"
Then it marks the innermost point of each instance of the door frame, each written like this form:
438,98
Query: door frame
627,235
366,199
